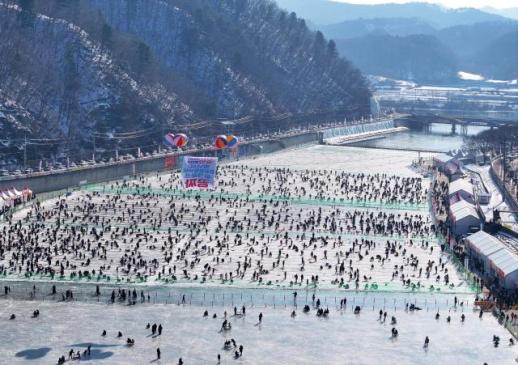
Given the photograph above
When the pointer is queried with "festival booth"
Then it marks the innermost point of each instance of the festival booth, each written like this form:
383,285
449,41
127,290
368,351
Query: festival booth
464,217
448,165
27,194
461,189
6,197
11,198
503,267
481,246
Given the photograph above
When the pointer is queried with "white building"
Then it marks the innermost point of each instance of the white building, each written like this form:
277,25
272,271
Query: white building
461,189
493,259
503,266
464,218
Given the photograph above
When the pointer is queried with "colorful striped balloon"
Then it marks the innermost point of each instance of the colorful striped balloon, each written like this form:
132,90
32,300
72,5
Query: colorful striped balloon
169,139
232,141
180,140
221,141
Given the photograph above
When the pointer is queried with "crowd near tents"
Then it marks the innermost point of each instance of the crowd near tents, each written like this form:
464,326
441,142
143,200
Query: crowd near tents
493,258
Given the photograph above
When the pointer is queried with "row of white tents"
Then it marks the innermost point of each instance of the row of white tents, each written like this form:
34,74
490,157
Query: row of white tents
463,212
494,258
12,197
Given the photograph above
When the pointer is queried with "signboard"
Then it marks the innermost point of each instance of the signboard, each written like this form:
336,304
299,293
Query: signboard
199,172
170,162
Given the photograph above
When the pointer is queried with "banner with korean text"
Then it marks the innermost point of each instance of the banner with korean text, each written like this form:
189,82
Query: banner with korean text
199,172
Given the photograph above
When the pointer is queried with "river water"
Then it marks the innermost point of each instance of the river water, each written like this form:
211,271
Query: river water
438,139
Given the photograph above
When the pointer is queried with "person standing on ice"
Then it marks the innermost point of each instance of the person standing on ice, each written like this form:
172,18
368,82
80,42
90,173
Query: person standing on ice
158,353
426,342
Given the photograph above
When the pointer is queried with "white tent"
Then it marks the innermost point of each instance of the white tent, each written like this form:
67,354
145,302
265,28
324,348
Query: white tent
442,159
461,189
483,244
464,217
504,265
6,198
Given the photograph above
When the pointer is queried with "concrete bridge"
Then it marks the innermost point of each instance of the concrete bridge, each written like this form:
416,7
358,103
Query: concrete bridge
459,123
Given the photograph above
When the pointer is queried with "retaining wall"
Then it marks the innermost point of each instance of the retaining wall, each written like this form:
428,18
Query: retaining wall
59,180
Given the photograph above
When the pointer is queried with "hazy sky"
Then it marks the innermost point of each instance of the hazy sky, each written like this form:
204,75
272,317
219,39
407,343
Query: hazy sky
448,3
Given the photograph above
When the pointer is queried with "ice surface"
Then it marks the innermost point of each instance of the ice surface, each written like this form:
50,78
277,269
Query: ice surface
350,159
130,237
343,338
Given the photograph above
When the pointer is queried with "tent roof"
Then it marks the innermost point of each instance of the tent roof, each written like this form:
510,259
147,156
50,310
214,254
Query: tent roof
459,185
465,213
461,204
442,158
504,261
484,243
463,209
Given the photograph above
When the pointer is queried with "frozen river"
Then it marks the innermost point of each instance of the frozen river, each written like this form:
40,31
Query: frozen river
342,338
337,218
316,223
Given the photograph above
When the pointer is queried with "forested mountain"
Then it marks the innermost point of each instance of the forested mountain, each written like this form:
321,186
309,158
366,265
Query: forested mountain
69,68
499,60
387,39
468,40
363,26
435,57
414,57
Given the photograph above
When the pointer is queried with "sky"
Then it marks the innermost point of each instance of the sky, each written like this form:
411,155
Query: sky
500,4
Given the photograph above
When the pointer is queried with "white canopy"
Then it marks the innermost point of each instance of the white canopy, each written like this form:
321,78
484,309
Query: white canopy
484,244
503,262
463,209
460,185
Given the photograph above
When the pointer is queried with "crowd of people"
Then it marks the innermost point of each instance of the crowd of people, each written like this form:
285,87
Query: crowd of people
256,228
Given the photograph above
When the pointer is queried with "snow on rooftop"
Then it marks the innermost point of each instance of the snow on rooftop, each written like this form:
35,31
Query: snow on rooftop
443,157
460,185
484,243
505,261
469,76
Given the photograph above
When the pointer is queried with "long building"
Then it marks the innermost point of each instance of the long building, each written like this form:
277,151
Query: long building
493,259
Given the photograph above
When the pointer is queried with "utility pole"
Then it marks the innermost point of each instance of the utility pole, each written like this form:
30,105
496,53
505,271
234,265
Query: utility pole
93,155
25,152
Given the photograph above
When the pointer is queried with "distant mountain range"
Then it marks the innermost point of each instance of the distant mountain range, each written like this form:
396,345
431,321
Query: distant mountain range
414,57
509,12
418,41
329,12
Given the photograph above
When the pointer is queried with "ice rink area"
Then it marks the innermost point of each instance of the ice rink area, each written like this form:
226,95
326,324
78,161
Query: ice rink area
358,220
339,218
350,159
343,338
